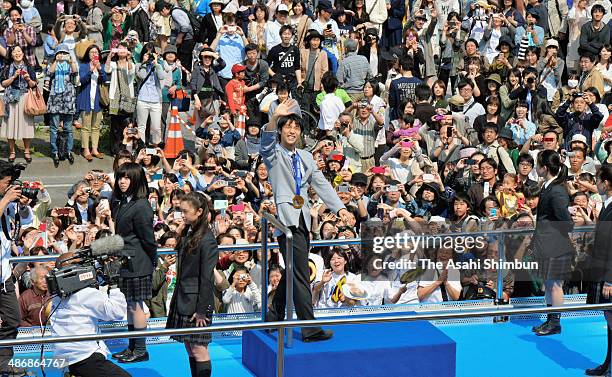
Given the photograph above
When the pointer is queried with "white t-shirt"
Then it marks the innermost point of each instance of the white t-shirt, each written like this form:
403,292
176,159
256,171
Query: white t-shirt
331,107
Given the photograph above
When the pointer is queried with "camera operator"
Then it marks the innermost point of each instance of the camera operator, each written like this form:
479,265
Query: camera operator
79,314
9,307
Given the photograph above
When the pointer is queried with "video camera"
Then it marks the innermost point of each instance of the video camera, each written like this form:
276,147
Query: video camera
98,263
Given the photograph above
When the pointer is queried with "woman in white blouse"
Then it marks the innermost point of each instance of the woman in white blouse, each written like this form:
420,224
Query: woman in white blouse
327,293
605,67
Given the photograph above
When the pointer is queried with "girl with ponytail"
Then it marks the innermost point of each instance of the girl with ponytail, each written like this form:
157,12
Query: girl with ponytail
551,243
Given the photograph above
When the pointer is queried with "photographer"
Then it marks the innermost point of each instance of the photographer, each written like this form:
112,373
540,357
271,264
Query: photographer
579,121
528,35
530,92
352,143
149,105
79,314
9,307
22,35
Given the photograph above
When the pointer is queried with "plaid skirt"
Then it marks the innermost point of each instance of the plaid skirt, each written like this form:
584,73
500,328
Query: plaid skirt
557,268
178,321
137,289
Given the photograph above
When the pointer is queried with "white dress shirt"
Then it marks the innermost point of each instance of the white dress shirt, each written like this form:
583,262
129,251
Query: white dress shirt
79,315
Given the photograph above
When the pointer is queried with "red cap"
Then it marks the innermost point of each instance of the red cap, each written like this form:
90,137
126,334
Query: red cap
238,68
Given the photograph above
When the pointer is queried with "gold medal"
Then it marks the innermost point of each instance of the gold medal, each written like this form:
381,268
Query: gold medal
298,202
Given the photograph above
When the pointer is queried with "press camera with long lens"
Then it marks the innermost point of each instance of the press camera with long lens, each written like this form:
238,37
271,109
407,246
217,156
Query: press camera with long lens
96,265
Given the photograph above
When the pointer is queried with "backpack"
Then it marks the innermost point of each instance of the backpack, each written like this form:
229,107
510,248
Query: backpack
194,21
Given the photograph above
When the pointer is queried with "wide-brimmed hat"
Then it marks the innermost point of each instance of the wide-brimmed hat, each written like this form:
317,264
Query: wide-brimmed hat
313,33
170,49
62,47
506,133
552,43
495,78
579,138
505,40
456,100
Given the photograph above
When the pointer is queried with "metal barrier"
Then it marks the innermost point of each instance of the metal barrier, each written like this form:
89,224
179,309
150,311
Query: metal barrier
267,217
282,326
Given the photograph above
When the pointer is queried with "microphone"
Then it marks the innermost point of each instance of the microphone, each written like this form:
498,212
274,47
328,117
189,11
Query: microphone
109,245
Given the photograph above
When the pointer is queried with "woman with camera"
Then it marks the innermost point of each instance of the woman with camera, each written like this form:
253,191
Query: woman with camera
149,104
17,77
133,220
62,75
193,300
122,70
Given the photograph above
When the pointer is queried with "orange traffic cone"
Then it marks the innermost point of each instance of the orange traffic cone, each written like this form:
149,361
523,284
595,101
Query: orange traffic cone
174,137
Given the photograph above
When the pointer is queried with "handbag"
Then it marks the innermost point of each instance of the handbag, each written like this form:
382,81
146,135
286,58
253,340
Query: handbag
104,97
182,100
34,103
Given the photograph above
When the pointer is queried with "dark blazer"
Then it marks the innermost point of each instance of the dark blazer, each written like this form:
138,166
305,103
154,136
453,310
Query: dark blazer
134,222
91,213
195,288
601,262
209,29
551,235
140,23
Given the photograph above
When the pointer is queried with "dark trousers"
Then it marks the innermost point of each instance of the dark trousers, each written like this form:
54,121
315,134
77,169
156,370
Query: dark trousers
9,313
302,296
96,365
184,53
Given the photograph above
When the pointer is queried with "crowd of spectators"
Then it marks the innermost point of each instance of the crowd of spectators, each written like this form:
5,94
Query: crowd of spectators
431,115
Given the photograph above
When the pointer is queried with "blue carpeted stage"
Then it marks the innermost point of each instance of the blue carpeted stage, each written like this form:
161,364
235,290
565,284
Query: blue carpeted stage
483,350
404,349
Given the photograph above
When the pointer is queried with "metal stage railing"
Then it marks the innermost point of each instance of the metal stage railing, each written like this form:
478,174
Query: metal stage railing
267,218
282,326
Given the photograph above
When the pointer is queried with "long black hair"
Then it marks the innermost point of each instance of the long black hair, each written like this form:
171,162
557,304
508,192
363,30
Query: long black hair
138,182
201,226
552,161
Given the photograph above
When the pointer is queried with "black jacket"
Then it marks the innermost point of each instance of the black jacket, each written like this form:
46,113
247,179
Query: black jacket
91,214
601,263
140,23
134,222
195,289
551,235
209,29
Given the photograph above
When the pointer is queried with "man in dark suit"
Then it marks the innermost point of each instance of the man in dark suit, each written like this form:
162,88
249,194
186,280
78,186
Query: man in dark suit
292,172
601,265
82,204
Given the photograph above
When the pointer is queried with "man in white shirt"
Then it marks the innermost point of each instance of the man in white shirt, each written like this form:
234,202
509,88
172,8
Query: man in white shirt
471,108
9,307
79,314
272,35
